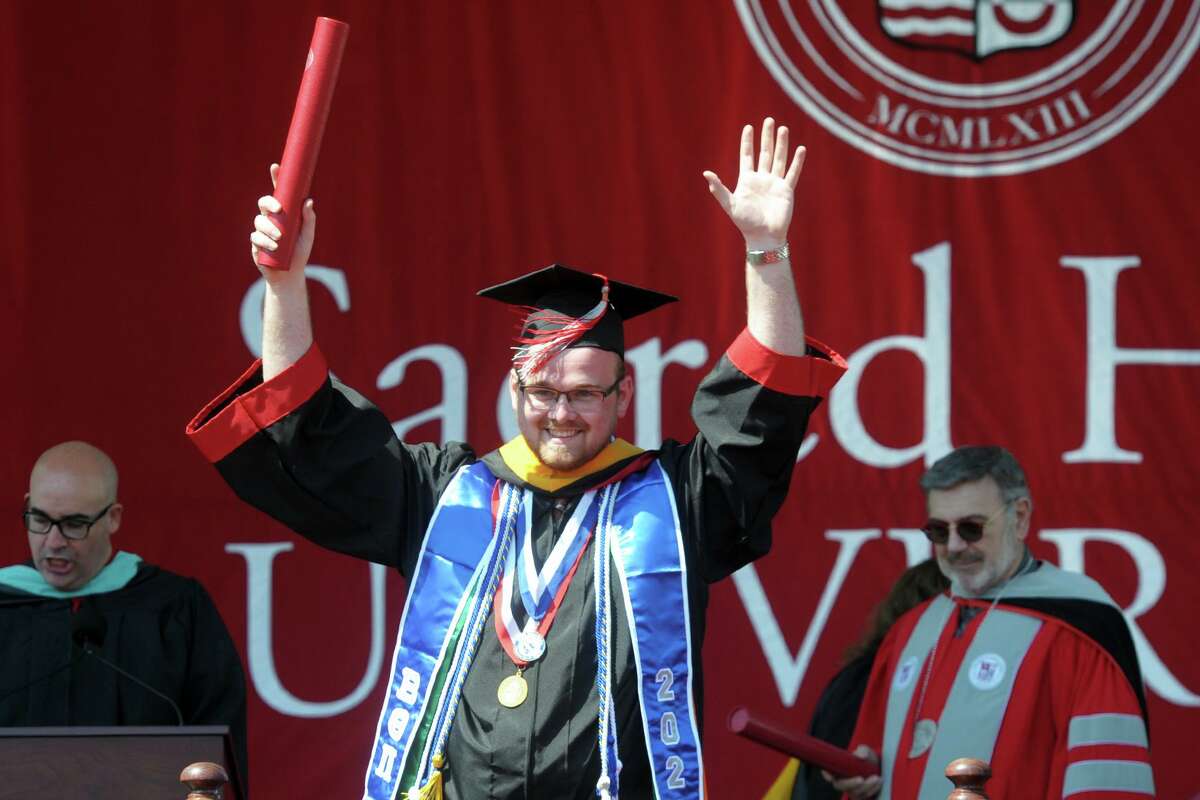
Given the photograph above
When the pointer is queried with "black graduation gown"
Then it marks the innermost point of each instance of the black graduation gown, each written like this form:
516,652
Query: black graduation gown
161,627
333,471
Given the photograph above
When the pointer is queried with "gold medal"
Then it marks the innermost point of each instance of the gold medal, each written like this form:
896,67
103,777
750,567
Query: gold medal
513,690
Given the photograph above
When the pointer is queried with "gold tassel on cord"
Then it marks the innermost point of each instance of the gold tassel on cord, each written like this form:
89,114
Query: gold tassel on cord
432,790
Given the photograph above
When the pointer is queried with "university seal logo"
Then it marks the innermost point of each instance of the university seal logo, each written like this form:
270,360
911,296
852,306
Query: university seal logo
970,88
987,671
905,673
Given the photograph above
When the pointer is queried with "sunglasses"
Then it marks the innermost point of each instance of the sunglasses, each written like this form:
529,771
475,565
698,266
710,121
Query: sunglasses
969,530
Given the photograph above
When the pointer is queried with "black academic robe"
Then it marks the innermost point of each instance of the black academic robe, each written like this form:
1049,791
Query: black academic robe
330,468
160,627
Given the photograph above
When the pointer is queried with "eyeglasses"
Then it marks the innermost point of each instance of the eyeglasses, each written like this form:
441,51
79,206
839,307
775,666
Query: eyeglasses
969,530
75,526
543,398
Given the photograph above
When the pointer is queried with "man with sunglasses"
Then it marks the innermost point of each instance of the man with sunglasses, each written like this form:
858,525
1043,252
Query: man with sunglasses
161,628
1020,664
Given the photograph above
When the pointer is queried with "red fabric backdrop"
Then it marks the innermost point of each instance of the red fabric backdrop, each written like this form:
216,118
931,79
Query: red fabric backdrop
472,141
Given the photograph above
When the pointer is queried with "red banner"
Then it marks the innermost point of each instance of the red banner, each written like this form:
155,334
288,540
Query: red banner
996,226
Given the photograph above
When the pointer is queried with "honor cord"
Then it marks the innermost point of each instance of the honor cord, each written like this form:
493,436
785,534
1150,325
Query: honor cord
606,727
505,526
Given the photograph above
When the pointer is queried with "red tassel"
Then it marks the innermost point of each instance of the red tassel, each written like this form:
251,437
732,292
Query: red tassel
536,350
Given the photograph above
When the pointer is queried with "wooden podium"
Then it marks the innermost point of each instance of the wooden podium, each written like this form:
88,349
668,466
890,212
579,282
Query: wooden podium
110,762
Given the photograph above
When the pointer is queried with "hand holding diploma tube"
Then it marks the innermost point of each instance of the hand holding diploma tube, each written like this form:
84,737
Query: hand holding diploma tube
293,179
801,746
265,240
286,223
287,326
856,774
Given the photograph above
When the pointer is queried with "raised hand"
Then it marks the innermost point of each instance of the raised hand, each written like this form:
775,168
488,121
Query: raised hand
266,235
287,326
761,203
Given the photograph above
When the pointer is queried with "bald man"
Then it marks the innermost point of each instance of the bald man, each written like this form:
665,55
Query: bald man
76,484
160,627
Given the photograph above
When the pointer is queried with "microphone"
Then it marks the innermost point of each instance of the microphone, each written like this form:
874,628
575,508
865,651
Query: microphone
88,629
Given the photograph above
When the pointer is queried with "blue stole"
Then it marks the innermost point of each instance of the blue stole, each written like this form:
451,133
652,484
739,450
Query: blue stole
647,546
459,543
451,594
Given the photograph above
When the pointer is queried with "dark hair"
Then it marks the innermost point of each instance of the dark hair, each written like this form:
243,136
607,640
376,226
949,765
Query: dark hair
972,463
915,586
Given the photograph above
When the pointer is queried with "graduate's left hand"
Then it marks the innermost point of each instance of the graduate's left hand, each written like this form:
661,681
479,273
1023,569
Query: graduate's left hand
761,204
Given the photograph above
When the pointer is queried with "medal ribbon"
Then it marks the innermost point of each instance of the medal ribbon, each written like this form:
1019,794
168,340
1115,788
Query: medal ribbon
538,587
550,586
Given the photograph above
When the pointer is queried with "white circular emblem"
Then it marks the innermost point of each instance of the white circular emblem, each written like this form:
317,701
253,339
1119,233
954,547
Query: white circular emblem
905,673
970,88
987,671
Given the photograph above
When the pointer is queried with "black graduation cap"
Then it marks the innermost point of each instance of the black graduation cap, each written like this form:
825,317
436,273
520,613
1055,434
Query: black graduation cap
570,308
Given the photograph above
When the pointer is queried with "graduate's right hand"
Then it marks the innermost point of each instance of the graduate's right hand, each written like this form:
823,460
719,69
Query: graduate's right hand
858,788
266,235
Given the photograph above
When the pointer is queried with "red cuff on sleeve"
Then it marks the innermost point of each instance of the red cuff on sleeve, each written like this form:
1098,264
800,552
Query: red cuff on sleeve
246,414
805,376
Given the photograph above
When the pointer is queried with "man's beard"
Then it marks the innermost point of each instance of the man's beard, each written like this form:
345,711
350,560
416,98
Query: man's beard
982,582
562,458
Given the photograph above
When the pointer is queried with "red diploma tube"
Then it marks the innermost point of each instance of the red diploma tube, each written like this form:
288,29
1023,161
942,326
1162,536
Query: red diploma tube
798,745
299,160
